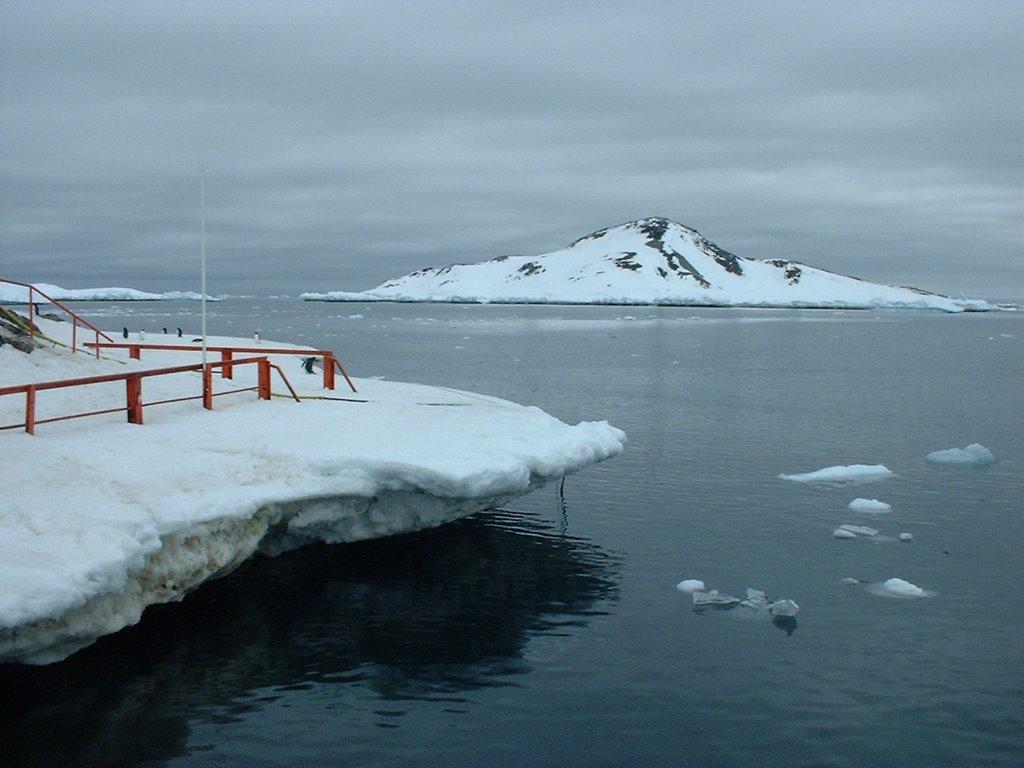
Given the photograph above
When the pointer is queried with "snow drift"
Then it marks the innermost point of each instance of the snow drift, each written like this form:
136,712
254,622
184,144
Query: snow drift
648,261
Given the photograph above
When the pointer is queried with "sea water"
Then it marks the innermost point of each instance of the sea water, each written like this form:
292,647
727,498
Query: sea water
551,632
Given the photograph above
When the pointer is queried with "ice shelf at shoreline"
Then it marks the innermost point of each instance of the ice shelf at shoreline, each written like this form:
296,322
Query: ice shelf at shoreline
103,518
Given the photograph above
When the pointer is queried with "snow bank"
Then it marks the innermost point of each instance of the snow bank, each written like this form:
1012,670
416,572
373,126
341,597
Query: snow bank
15,294
974,454
870,506
853,473
898,588
110,517
643,262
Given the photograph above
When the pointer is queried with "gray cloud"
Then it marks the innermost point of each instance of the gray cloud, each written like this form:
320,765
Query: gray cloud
350,142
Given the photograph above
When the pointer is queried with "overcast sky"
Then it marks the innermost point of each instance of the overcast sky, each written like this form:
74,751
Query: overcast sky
350,142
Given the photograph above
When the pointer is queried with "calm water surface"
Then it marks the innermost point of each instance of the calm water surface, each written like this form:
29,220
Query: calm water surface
550,633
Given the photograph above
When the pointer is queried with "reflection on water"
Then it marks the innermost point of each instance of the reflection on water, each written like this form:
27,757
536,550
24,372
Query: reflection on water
427,616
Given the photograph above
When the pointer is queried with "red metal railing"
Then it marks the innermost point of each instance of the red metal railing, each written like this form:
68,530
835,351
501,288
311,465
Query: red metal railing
75,319
133,390
227,355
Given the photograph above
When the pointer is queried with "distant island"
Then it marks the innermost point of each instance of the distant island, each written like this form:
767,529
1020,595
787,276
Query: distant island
16,294
644,262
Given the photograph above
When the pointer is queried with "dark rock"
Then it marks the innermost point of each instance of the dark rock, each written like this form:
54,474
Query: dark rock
529,269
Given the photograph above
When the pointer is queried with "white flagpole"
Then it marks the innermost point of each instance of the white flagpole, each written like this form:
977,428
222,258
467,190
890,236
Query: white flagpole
202,281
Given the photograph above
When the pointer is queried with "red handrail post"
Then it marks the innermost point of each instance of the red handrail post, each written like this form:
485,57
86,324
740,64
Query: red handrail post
227,371
328,370
208,387
344,373
135,352
133,391
30,410
263,367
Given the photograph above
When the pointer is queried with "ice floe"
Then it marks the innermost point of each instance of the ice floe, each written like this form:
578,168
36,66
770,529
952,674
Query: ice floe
974,454
842,533
714,598
756,599
898,588
906,537
852,473
859,530
690,585
781,610
870,506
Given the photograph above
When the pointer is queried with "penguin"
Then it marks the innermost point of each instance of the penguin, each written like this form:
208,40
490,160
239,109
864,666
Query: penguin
142,335
179,333
307,364
124,332
256,336
165,330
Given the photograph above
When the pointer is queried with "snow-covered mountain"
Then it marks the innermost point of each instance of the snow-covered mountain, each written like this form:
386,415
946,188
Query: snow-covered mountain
647,261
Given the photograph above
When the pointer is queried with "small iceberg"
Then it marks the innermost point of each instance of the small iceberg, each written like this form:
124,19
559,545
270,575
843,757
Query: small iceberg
906,537
690,585
898,588
842,533
859,530
850,580
870,506
973,455
853,473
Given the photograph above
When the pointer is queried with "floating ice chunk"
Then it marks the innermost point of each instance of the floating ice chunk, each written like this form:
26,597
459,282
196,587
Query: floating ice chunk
870,506
853,473
906,537
756,599
842,533
715,598
898,588
784,608
975,454
861,530
849,580
690,585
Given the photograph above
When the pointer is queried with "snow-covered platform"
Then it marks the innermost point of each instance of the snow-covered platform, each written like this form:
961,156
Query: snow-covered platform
101,518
